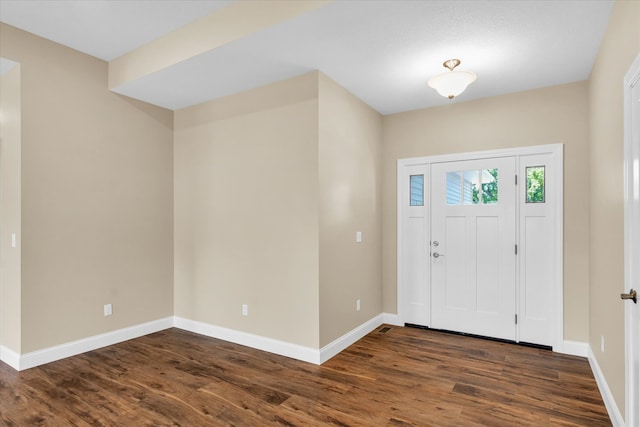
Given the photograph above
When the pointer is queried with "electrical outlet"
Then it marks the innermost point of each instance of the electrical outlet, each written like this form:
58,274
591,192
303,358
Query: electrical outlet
357,305
245,310
108,310
602,343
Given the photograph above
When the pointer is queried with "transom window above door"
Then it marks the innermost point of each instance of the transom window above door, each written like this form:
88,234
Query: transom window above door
472,187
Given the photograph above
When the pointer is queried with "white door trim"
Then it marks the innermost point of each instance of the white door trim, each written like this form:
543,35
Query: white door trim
556,150
631,400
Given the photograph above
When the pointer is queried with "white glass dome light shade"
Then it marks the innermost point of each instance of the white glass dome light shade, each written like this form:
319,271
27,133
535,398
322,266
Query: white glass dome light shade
454,82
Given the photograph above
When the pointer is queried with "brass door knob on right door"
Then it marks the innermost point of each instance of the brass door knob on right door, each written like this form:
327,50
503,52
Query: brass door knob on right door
632,295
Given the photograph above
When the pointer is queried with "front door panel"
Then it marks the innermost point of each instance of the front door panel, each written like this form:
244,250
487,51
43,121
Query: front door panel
473,260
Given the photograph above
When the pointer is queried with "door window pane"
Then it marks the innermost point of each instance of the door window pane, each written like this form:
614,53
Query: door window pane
489,186
454,188
535,184
471,186
416,184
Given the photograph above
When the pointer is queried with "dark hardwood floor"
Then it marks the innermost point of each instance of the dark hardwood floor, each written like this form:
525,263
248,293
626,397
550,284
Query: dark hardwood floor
402,377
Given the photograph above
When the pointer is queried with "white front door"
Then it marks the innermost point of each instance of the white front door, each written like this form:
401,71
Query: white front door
632,242
473,237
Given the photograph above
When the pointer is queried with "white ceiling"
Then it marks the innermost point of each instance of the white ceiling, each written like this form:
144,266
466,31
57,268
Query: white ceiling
382,51
105,29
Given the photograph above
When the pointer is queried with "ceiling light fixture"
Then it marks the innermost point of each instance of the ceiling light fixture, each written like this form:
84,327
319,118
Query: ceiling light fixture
452,83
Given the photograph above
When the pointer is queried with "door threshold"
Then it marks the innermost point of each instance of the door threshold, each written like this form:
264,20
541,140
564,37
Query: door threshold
482,337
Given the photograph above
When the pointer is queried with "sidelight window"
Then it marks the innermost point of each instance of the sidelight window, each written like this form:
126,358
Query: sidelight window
535,184
416,184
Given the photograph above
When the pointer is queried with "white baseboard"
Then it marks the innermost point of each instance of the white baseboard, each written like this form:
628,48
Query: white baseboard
574,348
10,357
283,348
337,345
51,354
609,402
391,319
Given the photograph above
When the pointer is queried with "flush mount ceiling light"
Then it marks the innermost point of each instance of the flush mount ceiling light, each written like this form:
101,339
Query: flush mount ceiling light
452,83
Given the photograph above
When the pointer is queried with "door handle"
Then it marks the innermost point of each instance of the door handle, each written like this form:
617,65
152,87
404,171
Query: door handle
437,255
632,295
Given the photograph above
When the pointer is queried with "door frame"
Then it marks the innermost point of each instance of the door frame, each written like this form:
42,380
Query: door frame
632,78
556,151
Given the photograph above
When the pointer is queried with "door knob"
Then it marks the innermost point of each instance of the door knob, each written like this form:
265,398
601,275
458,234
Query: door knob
632,295
437,255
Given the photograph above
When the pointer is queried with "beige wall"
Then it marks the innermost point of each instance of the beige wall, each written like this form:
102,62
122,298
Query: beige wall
619,48
96,198
544,116
246,211
350,190
10,129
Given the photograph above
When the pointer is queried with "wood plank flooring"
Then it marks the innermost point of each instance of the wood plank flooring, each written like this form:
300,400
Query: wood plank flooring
402,377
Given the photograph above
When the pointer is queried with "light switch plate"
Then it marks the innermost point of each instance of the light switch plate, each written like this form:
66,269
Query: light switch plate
358,236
